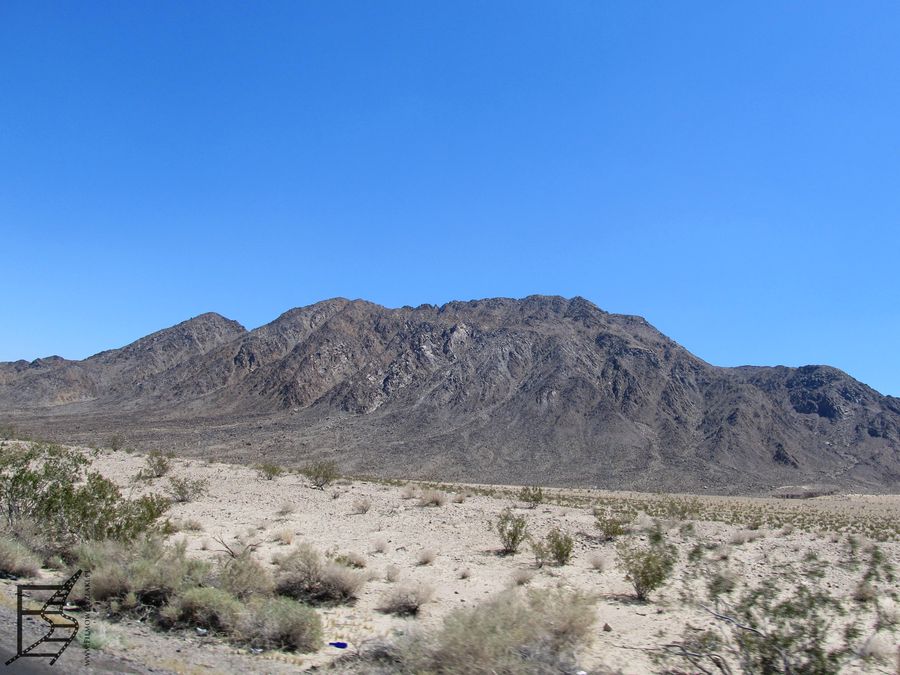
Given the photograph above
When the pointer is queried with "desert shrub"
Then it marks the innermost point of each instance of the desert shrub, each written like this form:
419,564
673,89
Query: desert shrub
598,562
116,442
53,486
646,567
379,546
522,577
610,525
150,571
183,490
286,509
408,492
790,622
206,607
510,634
351,559
157,464
244,576
540,552
391,573
269,471
17,560
432,498
361,505
304,575
459,497
532,496
280,623
321,473
559,545
512,529
426,557
406,600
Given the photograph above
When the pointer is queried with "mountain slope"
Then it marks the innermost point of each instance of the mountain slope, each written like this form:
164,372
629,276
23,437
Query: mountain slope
542,389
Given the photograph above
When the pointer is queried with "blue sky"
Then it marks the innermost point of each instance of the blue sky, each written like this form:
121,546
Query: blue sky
729,171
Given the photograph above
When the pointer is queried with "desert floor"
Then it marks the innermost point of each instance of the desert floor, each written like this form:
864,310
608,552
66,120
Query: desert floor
242,508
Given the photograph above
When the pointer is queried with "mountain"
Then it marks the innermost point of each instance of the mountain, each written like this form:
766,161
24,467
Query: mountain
543,389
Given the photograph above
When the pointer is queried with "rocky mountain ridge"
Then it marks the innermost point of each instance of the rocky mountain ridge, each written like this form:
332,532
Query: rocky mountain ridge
542,389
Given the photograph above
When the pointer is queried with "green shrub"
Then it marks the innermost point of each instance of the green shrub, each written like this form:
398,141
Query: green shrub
321,473
559,546
269,471
185,490
646,567
244,576
157,464
53,486
17,560
610,525
280,623
304,575
206,607
512,529
532,496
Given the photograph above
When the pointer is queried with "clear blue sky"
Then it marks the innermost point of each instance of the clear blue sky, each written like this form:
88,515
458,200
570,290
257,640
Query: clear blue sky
729,171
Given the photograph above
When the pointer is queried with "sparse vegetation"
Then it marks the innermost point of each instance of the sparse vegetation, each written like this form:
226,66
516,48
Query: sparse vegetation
432,498
268,470
426,557
16,560
407,599
646,567
610,526
532,496
321,473
512,529
361,506
305,576
183,490
280,623
157,465
559,545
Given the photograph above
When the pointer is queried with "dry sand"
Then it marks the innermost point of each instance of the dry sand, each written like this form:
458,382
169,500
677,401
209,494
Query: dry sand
240,505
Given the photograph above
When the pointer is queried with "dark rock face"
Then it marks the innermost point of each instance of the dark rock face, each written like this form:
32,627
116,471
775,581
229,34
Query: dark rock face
541,389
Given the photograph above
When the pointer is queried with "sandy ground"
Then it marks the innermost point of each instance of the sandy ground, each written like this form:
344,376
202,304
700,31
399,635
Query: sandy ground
240,505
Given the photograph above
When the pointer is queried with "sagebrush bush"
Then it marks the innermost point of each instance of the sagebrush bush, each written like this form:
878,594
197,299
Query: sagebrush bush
646,567
432,498
511,634
211,608
17,560
321,473
512,529
183,490
305,576
361,506
280,623
244,576
407,599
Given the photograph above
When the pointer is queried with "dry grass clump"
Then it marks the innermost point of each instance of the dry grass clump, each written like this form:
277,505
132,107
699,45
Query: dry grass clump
432,498
303,575
408,491
427,557
522,577
459,497
361,505
284,537
286,509
211,608
16,560
465,573
510,634
598,562
244,576
379,546
392,573
407,599
351,559
280,623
